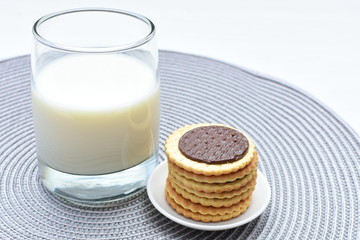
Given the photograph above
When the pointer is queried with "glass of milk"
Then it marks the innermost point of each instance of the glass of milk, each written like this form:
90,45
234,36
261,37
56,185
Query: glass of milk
95,96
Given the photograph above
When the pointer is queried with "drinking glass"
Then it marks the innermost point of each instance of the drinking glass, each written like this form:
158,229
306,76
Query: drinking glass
95,98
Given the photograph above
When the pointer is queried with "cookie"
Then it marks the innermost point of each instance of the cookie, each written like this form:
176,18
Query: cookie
206,217
215,179
212,202
204,210
211,187
221,195
212,170
174,155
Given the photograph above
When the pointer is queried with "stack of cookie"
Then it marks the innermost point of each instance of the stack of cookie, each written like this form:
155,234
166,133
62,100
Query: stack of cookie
212,172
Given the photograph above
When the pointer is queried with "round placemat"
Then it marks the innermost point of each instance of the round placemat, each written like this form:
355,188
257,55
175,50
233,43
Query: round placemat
310,157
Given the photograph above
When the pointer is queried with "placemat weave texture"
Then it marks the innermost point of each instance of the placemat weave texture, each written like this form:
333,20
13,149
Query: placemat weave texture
310,157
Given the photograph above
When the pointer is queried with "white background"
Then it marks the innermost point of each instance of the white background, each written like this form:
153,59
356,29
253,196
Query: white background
313,44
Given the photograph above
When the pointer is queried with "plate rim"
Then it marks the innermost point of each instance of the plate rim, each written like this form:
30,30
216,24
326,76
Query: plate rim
199,225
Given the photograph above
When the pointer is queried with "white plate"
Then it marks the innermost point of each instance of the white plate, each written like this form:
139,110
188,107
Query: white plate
156,192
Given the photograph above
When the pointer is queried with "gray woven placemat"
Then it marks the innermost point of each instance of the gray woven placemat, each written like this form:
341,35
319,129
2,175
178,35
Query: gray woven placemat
310,157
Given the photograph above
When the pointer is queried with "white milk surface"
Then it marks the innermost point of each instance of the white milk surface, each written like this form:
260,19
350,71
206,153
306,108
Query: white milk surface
95,114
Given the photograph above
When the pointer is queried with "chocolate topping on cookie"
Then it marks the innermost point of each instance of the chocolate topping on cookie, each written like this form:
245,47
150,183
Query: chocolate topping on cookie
213,144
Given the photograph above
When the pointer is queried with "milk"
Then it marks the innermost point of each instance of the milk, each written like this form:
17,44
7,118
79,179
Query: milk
95,113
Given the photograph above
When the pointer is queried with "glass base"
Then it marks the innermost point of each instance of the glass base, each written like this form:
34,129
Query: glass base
87,189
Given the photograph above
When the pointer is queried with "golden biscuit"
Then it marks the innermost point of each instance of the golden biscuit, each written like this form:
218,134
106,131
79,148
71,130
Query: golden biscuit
195,207
212,202
174,155
198,208
221,195
206,217
211,187
215,179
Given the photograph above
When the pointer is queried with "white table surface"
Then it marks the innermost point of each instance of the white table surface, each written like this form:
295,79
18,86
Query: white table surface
312,44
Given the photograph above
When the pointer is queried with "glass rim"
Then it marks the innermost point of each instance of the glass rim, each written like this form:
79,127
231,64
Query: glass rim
119,48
